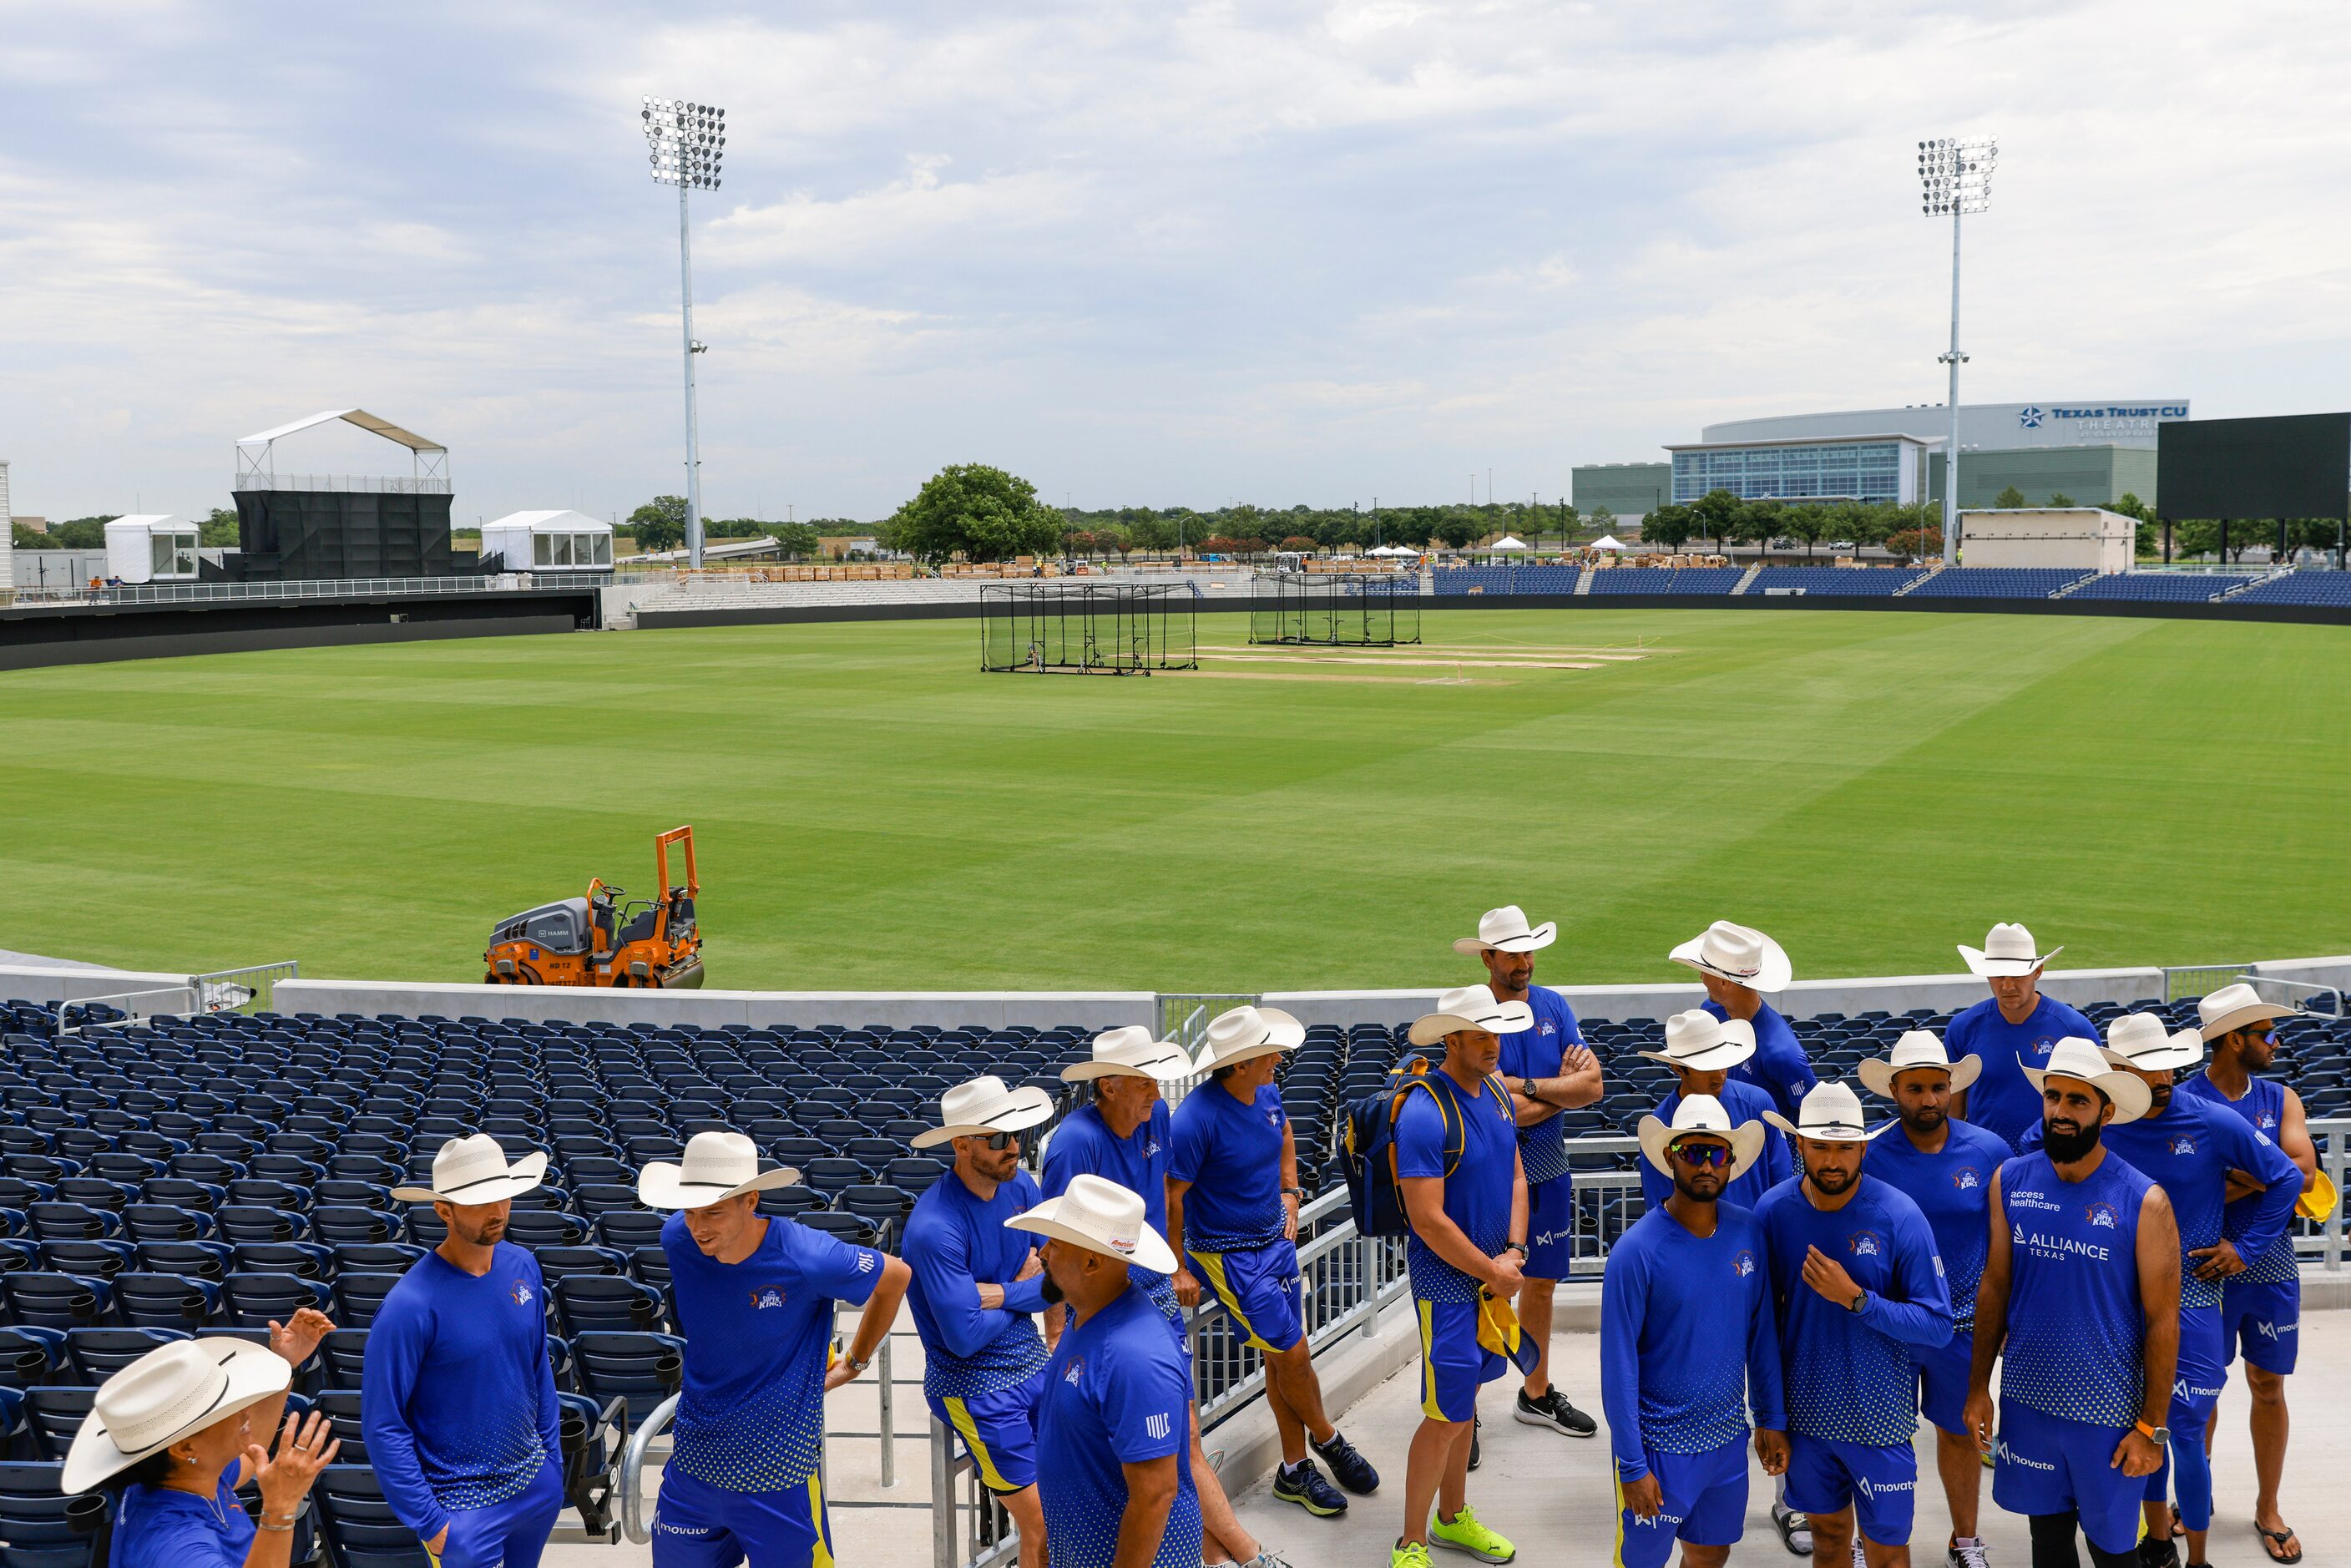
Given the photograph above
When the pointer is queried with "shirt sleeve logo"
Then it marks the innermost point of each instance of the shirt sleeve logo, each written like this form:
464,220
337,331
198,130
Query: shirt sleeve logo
1155,1427
865,1262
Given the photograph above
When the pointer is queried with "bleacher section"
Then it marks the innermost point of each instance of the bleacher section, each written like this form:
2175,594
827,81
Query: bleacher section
1996,582
1460,579
2299,588
2170,587
1667,580
1849,582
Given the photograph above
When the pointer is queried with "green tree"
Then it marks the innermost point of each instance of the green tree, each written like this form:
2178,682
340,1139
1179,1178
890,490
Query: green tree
2010,497
80,533
219,530
658,524
1670,525
1457,527
1603,520
1715,515
979,511
2059,498
1808,523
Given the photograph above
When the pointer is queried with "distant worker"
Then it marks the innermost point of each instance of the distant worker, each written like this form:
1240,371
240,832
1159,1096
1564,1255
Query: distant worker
1738,966
1703,1051
2011,1031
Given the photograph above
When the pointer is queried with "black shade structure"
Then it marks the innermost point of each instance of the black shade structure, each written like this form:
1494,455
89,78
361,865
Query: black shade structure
1108,629
1336,610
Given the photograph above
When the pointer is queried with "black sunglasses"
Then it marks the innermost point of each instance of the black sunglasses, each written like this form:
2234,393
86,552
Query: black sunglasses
1002,1140
1716,1154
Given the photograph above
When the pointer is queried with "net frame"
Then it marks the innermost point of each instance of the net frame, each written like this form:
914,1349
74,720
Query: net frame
1088,629
1336,610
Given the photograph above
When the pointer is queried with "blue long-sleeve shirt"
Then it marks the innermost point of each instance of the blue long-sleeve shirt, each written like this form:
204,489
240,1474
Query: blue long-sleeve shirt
456,1393
1952,1188
1686,1326
1744,1102
954,1243
1850,1376
1779,1066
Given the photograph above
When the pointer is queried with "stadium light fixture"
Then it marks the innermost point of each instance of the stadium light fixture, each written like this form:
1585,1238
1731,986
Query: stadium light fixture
687,143
1955,177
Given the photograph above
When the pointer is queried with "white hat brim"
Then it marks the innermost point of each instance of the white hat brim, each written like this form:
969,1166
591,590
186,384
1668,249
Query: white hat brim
2129,1092
1987,967
523,1175
1723,1053
2236,1018
1283,1032
1834,1133
661,1186
1167,1065
1507,1017
1150,1249
1876,1072
255,1373
1533,939
1746,1142
2183,1047
1773,976
1017,1111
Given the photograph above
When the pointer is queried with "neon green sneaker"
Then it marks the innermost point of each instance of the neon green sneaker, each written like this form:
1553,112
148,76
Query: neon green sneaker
1466,1534
1408,1554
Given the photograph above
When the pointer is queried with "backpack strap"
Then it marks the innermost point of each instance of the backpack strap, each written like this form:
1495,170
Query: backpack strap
1446,1111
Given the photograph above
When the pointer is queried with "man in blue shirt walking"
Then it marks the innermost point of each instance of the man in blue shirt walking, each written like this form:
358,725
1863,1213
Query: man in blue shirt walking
1548,1071
1704,1050
1738,966
755,1297
457,1397
1858,1289
1946,1168
1688,1342
975,1290
2009,1032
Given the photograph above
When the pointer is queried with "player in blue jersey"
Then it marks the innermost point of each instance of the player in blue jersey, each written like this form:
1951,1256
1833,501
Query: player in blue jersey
2011,1031
2080,1305
1704,1050
1688,1342
1464,1188
975,1291
1113,1466
457,1395
1738,966
2260,1309
1123,1135
1858,1289
1945,1167
754,1296
1549,1070
1232,1208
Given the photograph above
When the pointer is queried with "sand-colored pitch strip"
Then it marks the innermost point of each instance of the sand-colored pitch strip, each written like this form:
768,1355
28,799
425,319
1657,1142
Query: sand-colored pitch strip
1397,680
1401,660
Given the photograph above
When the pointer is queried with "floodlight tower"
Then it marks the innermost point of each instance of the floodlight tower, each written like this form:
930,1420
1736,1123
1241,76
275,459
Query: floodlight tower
1955,177
688,139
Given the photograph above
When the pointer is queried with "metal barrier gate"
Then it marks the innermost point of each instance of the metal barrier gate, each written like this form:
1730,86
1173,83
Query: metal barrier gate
2188,981
245,991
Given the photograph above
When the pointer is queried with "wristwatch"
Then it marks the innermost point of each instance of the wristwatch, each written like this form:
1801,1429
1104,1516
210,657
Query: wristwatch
2159,1435
1517,1247
856,1367
1860,1300
1527,1088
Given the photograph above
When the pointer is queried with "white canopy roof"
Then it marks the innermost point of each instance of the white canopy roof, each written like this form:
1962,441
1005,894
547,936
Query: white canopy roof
1392,549
358,416
151,523
1508,542
550,523
1607,542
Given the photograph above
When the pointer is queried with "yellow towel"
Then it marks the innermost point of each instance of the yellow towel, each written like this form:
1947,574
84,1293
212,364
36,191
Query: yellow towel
1499,1332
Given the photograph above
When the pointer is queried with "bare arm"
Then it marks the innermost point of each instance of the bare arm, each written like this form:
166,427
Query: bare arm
1151,1486
1424,1204
1991,1321
1292,1197
1187,1288
1519,1206
2158,1295
2294,1137
1576,1084
881,1312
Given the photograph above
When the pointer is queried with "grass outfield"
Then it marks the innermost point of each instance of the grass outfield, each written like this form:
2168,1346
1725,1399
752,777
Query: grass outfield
872,813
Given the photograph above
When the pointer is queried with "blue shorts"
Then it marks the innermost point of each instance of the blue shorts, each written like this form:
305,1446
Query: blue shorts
1705,1504
1943,1383
1550,1228
1453,1364
1259,1286
2046,1463
1879,1484
512,1534
697,1525
2265,1320
1000,1430
2203,1368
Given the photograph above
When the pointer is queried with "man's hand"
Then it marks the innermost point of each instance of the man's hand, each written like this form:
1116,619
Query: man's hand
1976,1418
1030,1267
1827,1276
1503,1277
2136,1456
1643,1497
296,1341
1187,1289
2220,1260
1772,1448
1289,1202
843,1370
2242,1185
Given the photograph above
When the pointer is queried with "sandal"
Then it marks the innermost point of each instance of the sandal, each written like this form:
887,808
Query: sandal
2272,1540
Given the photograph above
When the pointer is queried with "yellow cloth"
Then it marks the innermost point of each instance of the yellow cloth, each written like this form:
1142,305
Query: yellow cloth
2318,1200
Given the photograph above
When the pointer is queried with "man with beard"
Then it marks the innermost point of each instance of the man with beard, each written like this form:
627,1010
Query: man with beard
1549,1070
1703,1049
1858,1289
2080,1305
1686,1330
2008,1032
457,1394
2260,1309
1946,1168
1738,964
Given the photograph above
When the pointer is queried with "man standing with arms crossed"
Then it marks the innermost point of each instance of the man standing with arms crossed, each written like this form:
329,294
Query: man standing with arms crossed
1737,965
1946,1168
1549,1070
2008,1032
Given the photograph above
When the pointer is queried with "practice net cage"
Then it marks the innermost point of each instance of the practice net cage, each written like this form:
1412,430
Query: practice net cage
1336,609
1106,628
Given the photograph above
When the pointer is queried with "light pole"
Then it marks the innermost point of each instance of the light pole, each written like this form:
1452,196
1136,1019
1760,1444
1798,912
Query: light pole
1955,177
688,139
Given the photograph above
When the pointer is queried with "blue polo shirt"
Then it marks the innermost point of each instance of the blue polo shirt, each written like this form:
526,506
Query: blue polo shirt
1479,1189
1117,1391
2001,1100
1543,1051
1083,1144
1230,1151
1779,1066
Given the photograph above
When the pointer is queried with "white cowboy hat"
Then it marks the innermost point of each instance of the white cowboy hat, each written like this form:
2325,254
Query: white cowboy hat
2007,950
1917,1048
1739,954
1506,929
1247,1033
2234,1007
172,1391
1470,1007
1102,1216
2076,1057
474,1169
1701,1042
1702,1113
1829,1112
715,1167
983,1106
1131,1052
2143,1043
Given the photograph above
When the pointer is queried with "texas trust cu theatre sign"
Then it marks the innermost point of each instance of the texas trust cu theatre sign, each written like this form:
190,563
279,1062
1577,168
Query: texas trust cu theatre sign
2099,419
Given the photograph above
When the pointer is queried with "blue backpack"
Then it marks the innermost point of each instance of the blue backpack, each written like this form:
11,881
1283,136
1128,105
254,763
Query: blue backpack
1368,1145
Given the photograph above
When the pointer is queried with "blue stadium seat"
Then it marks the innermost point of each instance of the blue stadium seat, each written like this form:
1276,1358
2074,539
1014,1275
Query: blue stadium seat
342,1356
53,1415
42,1527
641,1368
165,1301
585,1302
96,1355
359,1296
255,1301
358,1526
37,1298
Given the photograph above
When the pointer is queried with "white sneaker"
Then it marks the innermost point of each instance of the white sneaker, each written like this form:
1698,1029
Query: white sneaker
1968,1553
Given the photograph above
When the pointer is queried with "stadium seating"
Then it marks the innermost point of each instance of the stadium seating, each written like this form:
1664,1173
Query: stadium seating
1997,582
2299,588
1835,581
1462,580
2171,587
1667,580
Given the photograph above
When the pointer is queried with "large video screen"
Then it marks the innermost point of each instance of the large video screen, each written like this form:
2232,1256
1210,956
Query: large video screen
2294,465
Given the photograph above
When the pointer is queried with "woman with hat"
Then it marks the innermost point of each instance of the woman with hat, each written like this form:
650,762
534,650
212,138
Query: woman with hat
184,1428
1703,1049
2008,1031
1739,966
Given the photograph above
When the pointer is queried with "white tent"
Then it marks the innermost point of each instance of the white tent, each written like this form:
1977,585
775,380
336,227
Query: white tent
549,541
153,546
1391,550
1607,542
1508,542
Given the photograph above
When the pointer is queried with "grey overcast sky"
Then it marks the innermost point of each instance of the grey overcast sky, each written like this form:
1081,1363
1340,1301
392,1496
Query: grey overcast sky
1147,253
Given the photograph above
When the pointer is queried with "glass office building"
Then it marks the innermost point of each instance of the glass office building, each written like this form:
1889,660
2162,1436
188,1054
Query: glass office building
1870,468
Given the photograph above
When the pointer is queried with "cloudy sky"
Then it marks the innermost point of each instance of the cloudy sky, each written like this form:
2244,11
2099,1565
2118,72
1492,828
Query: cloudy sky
1144,252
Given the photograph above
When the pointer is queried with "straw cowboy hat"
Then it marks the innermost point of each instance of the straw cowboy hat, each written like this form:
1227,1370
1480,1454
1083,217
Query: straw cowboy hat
1247,1033
1739,954
2082,1059
715,1167
1831,1113
1702,1113
1102,1216
1701,1042
1470,1007
2143,1043
985,1106
2234,1007
172,1391
2007,950
1131,1052
1917,1048
1506,929
472,1170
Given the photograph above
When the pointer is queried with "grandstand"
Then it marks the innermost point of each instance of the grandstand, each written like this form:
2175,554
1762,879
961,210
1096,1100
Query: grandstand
1837,581
2299,588
1667,580
1997,583
2173,587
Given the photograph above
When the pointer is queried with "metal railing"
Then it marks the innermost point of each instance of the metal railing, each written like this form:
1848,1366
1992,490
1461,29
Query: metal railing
251,989
2188,981
317,587
183,993
242,990
344,483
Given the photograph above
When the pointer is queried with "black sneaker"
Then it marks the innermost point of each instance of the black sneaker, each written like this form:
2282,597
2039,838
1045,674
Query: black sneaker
1348,1467
1553,1411
1473,1424
1305,1487
2164,1554
1795,1529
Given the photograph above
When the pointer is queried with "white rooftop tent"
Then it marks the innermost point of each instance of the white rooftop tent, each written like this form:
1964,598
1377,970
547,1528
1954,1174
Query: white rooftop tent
153,546
549,541
1608,541
256,461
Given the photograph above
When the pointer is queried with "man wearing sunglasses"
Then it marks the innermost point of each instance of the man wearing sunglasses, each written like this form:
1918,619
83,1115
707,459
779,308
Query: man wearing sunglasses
2260,1309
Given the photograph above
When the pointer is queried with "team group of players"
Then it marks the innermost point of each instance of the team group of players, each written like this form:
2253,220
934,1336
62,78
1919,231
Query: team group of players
2101,1221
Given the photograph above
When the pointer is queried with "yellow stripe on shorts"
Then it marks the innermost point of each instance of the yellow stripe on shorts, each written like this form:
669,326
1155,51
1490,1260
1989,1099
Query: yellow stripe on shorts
820,1555
1213,1265
960,1415
1428,1405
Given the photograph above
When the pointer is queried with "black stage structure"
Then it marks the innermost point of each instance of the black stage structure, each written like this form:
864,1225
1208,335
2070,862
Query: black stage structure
1343,609
1090,629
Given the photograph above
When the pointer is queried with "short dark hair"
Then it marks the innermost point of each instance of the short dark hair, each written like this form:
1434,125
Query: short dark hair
151,1472
1221,1073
